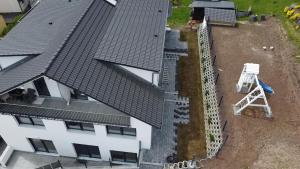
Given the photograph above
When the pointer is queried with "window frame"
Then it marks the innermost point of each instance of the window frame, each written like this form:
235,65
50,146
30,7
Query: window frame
82,128
87,150
125,157
43,144
31,121
121,131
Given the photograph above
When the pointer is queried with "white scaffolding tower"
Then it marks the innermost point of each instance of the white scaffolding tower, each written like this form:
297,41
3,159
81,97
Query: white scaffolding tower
257,97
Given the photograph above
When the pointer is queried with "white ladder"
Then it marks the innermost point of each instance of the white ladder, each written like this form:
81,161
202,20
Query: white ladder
249,99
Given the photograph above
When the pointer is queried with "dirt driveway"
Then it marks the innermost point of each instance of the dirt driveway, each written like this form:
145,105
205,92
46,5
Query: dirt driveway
254,141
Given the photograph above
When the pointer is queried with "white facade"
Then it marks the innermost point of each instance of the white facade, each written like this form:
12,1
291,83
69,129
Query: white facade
13,6
150,76
16,135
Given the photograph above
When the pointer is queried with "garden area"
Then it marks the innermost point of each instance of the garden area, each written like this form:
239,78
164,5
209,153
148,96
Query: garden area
181,13
192,138
8,26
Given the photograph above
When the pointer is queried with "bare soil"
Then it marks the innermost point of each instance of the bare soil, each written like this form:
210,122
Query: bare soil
255,141
191,137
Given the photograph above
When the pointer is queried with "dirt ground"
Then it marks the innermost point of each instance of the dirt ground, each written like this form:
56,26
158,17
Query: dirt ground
255,141
191,136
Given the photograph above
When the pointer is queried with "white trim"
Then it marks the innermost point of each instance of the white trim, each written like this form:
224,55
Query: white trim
113,2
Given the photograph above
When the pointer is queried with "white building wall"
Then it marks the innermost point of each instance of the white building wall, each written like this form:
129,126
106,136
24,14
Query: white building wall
12,6
52,87
150,76
16,136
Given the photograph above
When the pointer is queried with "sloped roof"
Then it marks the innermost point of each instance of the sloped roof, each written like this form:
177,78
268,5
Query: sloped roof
77,110
213,4
135,36
69,59
22,40
221,16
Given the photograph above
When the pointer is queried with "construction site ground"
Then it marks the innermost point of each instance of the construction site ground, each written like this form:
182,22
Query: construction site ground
255,141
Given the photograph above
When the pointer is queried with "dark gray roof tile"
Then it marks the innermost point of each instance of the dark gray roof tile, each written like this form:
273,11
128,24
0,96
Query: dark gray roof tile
131,40
99,80
70,57
223,16
77,110
213,4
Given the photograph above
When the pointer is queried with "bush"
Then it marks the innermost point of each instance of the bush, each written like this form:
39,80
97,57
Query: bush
211,138
11,25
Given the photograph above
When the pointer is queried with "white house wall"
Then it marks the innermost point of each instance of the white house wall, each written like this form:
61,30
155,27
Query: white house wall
150,76
7,6
144,132
52,87
16,136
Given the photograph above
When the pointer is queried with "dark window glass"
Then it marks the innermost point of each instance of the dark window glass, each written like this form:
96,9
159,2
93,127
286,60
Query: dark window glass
50,146
129,131
113,130
80,126
41,87
87,151
131,157
123,156
88,126
29,120
117,156
94,151
38,145
43,145
121,130
37,121
2,145
73,125
24,120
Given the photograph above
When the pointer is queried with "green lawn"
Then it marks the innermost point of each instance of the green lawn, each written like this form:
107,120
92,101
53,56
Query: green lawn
270,7
180,14
9,26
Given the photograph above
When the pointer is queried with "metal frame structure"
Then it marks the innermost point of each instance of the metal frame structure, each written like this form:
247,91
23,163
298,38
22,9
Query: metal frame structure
255,98
214,137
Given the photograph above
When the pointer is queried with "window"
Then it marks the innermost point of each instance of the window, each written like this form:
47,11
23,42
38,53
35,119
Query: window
41,87
87,151
43,145
80,126
30,121
121,130
3,145
123,156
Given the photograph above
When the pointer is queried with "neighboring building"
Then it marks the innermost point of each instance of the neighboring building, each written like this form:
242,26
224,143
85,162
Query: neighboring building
218,12
79,78
14,6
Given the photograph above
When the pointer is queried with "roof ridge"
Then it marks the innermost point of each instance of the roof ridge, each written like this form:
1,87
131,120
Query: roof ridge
68,36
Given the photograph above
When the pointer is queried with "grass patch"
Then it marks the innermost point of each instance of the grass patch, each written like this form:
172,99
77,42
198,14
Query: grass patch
273,7
180,13
191,136
9,26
